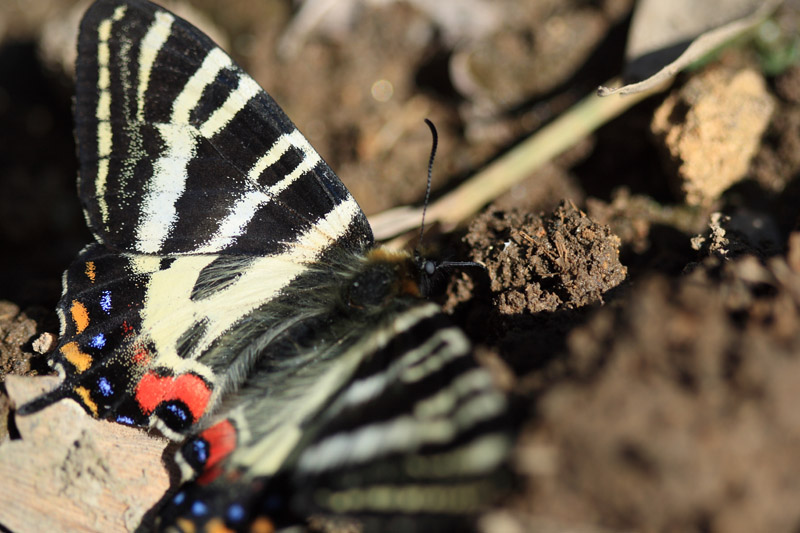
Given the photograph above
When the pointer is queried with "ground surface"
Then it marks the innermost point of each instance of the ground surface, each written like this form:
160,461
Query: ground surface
657,372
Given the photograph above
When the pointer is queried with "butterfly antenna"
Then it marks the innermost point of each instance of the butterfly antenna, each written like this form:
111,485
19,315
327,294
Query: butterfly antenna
434,145
428,267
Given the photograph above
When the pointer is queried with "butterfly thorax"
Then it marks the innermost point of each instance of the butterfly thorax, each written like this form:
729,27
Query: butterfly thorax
348,315
384,275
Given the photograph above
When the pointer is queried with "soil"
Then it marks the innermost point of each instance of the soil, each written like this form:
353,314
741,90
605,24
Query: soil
645,319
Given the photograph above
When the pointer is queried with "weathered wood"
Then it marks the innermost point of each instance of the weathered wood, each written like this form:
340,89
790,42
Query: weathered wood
70,472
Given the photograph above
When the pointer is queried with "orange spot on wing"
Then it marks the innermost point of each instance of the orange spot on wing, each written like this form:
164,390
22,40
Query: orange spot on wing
186,525
84,395
215,525
262,524
153,389
90,270
80,360
79,315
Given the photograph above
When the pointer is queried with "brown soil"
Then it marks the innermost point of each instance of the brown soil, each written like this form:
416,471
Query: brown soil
648,327
563,260
677,413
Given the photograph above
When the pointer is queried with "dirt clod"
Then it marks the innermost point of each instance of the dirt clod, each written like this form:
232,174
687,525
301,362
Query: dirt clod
741,233
711,128
16,329
45,343
562,260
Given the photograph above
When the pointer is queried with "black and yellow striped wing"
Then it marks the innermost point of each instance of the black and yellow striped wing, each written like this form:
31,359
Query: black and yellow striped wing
181,152
401,429
206,202
234,300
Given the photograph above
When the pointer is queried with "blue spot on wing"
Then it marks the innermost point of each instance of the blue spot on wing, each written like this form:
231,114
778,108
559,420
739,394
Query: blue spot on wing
105,301
236,513
125,420
98,341
199,508
104,386
177,411
200,449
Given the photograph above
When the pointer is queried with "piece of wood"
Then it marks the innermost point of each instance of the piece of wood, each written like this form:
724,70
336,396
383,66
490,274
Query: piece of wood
70,472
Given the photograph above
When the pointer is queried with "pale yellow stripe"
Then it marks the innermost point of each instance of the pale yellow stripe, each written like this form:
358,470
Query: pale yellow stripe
152,42
190,95
103,112
235,102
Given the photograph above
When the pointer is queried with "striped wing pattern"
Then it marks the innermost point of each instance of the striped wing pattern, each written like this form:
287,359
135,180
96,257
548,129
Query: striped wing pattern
182,151
166,123
411,427
234,300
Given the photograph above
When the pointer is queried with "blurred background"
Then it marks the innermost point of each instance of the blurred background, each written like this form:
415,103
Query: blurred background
670,408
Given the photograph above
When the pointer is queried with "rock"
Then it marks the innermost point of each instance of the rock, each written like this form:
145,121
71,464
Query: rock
711,128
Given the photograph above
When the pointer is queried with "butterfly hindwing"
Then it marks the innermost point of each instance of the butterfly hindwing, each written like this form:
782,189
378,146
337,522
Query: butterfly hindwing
420,431
111,356
413,427
98,354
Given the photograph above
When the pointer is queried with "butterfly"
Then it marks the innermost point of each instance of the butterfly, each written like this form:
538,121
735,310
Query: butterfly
235,301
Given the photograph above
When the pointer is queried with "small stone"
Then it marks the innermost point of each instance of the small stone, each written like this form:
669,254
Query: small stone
711,128
45,343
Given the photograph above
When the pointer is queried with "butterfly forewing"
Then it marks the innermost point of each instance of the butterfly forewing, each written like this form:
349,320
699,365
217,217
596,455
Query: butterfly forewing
183,158
182,152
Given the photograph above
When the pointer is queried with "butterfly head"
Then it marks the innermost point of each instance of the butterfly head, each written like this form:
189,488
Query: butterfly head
432,272
389,274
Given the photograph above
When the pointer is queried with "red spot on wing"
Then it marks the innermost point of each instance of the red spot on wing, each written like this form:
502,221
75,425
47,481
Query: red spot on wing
127,329
221,439
153,389
209,474
141,356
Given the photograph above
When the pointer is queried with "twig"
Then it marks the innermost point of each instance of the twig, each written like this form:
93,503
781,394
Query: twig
516,165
